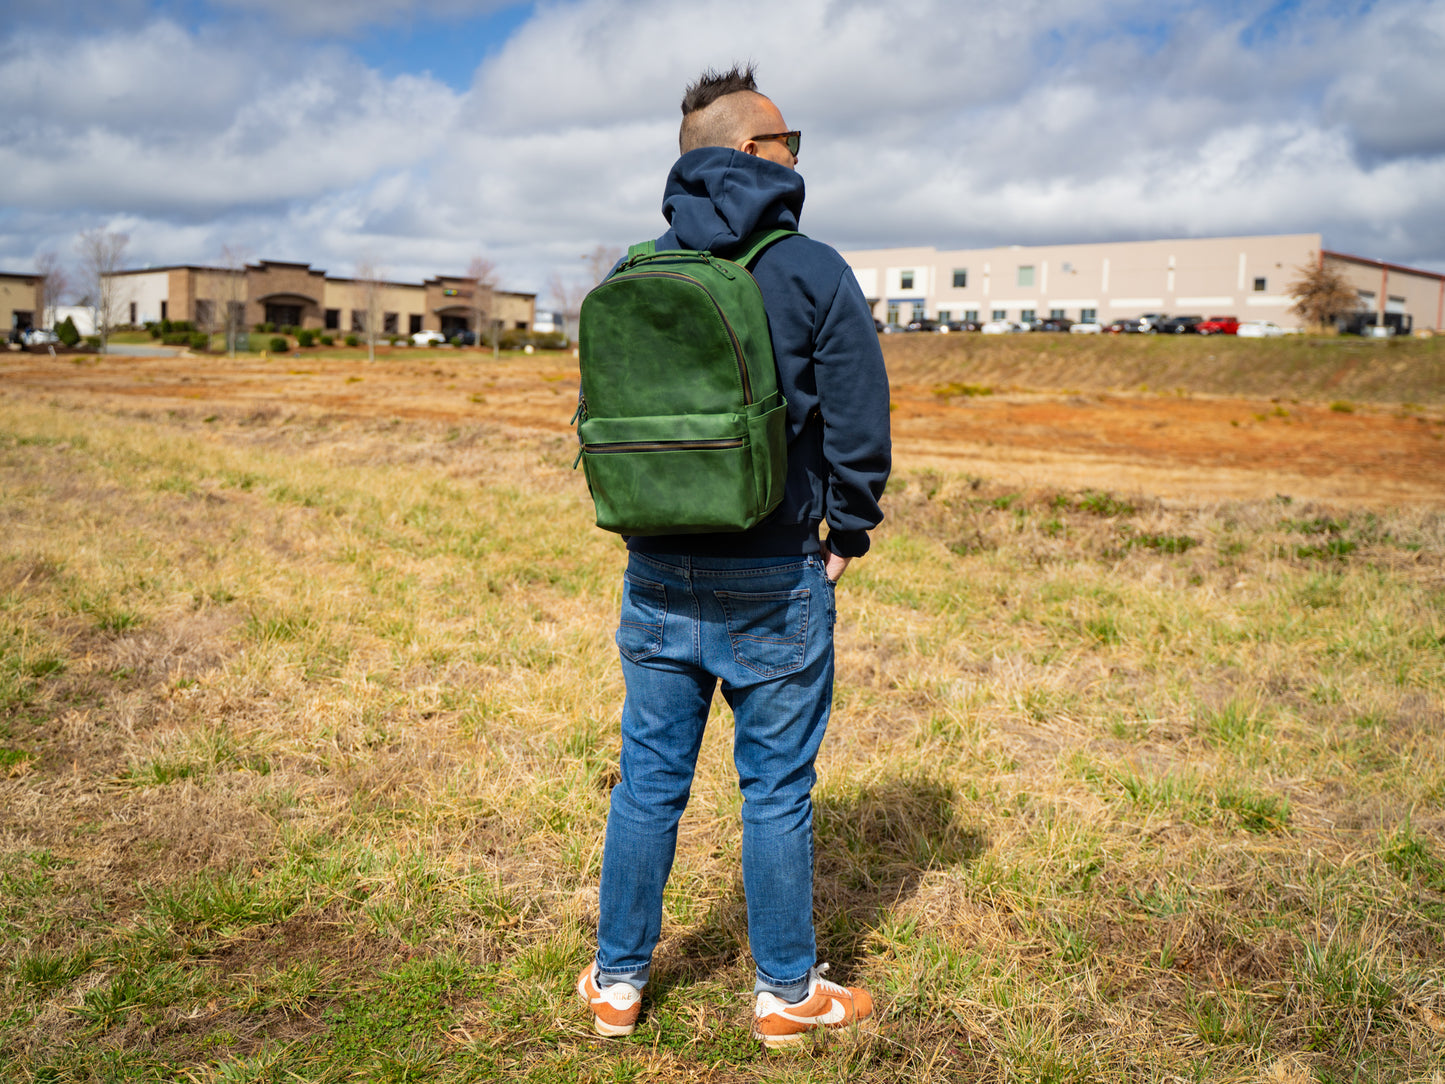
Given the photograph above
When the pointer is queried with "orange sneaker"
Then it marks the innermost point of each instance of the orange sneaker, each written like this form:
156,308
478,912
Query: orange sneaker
614,1009
827,1005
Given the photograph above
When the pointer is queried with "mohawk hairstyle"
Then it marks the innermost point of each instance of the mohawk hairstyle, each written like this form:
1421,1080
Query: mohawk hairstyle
705,127
711,86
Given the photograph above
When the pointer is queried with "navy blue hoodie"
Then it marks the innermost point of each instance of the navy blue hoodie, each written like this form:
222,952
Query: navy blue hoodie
830,367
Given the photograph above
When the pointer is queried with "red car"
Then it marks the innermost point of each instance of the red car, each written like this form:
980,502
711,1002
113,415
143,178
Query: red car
1218,325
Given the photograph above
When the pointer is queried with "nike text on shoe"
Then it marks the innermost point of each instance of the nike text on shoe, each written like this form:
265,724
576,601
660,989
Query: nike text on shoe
614,1008
827,1005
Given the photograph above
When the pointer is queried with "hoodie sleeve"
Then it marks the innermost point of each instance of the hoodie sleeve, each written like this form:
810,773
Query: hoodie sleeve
853,402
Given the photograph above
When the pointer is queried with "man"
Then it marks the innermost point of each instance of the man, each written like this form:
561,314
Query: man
753,610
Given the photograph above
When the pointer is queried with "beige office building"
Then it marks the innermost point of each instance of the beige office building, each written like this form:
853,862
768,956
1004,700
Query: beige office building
1245,277
298,295
20,300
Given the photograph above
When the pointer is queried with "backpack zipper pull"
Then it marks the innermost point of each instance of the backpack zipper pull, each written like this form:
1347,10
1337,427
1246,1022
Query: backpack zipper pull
580,411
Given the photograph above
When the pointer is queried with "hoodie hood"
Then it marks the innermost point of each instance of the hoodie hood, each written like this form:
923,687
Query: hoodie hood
716,196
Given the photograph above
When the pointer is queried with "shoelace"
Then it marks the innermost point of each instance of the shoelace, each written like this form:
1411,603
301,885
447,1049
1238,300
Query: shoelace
828,984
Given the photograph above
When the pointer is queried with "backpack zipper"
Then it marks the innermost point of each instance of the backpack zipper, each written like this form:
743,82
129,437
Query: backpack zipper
732,335
662,445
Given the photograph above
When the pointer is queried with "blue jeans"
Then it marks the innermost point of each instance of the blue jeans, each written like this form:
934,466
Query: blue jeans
763,626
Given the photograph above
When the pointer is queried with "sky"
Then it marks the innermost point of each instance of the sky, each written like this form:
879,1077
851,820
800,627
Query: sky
417,134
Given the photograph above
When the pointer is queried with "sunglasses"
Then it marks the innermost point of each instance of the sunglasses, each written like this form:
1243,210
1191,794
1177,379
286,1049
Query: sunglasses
791,140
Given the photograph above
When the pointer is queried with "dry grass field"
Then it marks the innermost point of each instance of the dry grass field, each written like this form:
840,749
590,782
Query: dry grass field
308,712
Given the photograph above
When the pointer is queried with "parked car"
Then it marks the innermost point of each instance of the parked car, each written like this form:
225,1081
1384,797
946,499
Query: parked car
1086,327
1179,325
958,325
426,338
892,329
878,325
1259,329
998,327
463,338
1129,325
1053,323
922,325
1150,322
1218,325
40,337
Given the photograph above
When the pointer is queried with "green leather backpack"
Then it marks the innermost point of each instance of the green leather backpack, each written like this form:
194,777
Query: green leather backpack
680,419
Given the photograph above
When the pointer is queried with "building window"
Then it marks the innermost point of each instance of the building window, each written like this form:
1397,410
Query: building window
521,325
203,314
1027,316
1056,314
905,280
358,320
1026,275
971,314
1367,297
389,323
1088,316
413,323
893,312
132,314
333,319
1260,285
163,310
1000,314
960,278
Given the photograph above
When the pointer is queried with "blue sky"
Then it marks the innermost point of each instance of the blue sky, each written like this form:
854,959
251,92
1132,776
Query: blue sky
416,134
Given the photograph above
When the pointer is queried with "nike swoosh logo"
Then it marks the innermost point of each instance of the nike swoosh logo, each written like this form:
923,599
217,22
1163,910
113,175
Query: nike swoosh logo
834,1015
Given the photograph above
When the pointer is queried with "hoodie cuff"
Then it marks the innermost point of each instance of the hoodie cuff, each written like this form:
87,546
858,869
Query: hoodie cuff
848,543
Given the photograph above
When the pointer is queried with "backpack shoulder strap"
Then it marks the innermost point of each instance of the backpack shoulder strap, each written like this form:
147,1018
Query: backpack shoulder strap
754,244
641,249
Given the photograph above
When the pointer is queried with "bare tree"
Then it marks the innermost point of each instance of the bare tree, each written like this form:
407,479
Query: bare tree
600,261
52,285
482,274
1321,294
567,294
101,254
369,281
233,289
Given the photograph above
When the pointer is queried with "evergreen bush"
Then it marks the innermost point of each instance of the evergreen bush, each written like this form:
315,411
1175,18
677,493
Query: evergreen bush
66,332
279,345
351,340
305,338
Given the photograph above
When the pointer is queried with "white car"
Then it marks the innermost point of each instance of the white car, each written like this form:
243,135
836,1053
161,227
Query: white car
998,327
40,337
1086,327
426,338
1259,329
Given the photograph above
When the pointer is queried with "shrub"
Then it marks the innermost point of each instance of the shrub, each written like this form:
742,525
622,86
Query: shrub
327,340
166,327
305,338
200,340
279,345
267,327
182,325
93,341
351,340
67,333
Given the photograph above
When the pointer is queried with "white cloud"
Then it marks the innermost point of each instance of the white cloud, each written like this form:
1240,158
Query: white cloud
926,122
345,16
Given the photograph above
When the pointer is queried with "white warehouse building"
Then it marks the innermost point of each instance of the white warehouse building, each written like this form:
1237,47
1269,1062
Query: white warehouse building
1245,277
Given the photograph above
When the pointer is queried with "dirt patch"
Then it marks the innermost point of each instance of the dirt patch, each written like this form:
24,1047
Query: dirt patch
1179,447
